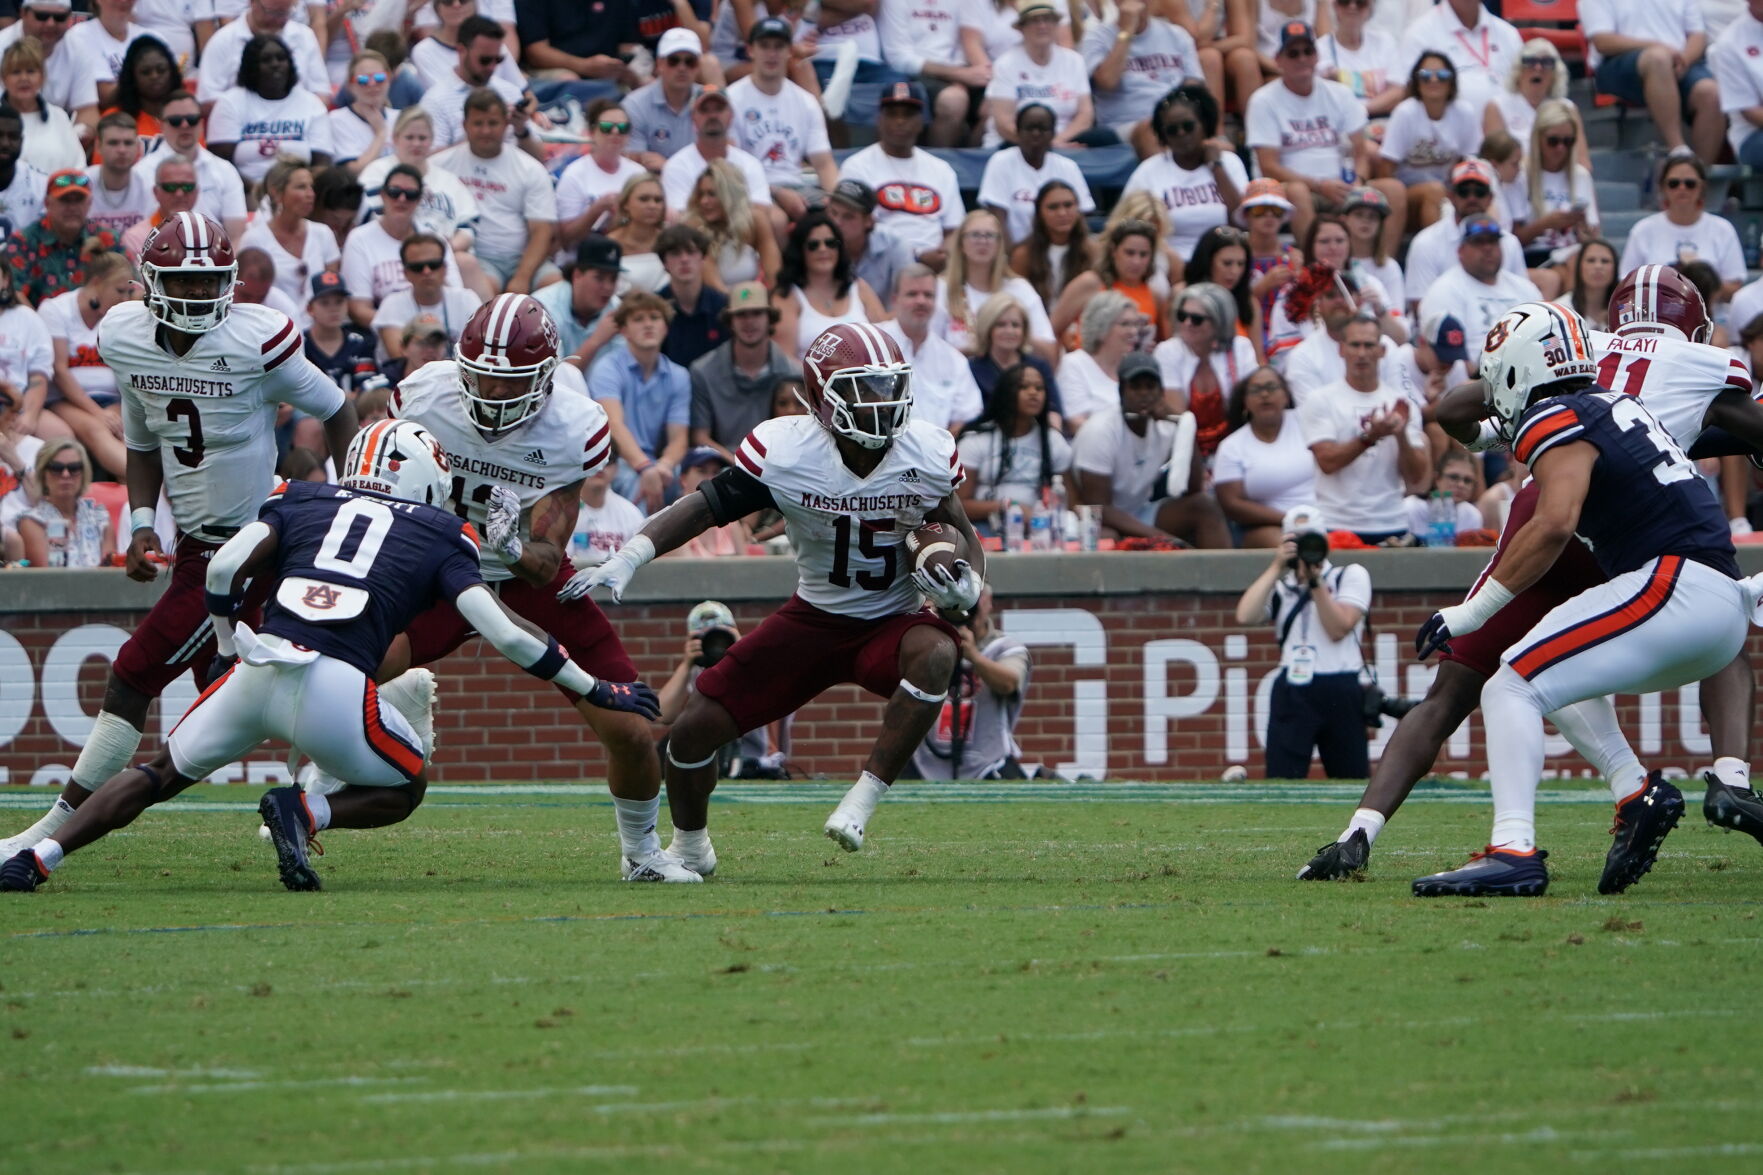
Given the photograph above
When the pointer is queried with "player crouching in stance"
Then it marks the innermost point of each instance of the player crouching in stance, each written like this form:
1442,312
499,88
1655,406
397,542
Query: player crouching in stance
852,479
1673,611
351,565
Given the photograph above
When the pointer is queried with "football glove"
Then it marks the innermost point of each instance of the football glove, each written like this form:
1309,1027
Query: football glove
502,524
1434,637
956,591
615,574
633,697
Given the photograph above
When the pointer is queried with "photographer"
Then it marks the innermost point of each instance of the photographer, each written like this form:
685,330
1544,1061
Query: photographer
710,629
975,734
1319,611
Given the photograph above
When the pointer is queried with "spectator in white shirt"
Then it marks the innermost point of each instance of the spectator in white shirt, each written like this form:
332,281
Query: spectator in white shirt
1134,60
1651,52
480,50
1012,452
94,51
1737,60
1429,132
51,142
1089,378
1454,478
518,206
978,268
1365,60
1014,177
1042,71
176,188
434,56
121,198
1197,175
587,191
361,132
1538,75
779,123
1204,359
266,115
1262,468
1434,248
1560,201
224,53
1369,444
1684,230
300,248
1477,290
917,194
374,267
943,389
713,138
424,258
221,188
922,39
1480,45
1309,134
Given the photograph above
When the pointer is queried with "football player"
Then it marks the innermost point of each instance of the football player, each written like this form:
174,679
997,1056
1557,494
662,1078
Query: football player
351,565
1660,353
1674,608
201,380
519,454
851,479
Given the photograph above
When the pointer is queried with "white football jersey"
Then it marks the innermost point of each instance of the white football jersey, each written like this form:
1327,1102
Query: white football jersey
569,439
211,411
846,529
1676,380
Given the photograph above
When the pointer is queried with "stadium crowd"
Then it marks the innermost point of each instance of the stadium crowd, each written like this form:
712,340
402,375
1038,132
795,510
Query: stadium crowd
1325,205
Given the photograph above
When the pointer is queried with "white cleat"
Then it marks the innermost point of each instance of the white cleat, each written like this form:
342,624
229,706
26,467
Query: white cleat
703,864
845,826
659,865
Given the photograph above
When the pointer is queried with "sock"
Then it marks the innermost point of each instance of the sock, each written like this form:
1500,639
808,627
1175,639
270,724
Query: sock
866,793
1366,820
110,746
1734,773
636,826
59,813
318,810
1592,728
49,854
1515,759
693,842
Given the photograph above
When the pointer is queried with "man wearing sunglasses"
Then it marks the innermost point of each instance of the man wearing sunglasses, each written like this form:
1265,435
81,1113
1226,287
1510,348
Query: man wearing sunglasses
1652,52
48,21
1434,248
51,255
1309,134
425,259
220,190
374,266
480,53
175,190
661,111
1480,45
270,18
1478,290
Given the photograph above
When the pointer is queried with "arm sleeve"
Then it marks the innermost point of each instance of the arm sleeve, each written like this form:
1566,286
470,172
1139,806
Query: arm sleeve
483,612
735,493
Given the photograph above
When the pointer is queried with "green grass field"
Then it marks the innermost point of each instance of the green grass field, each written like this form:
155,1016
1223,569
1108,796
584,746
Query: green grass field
1009,978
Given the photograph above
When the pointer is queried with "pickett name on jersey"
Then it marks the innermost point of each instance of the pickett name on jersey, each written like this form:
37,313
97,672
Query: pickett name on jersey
489,469
879,503
179,385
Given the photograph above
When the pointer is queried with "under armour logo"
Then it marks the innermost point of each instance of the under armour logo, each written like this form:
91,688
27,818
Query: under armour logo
219,365
537,456
320,597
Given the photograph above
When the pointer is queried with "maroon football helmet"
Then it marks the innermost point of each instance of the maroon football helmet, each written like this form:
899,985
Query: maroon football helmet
510,335
857,384
1656,299
189,243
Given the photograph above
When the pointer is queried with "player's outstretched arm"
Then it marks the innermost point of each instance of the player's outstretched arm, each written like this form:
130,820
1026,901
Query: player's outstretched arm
1461,410
145,476
1738,414
243,555
545,658
731,494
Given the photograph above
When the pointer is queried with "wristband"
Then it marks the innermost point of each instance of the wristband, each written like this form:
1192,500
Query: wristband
1478,609
550,662
221,604
141,518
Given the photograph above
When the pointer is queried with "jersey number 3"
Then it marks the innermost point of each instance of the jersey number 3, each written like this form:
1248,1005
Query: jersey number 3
189,454
868,528
1672,464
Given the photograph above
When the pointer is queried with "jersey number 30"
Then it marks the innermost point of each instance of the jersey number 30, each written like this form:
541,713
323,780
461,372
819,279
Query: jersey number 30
1672,464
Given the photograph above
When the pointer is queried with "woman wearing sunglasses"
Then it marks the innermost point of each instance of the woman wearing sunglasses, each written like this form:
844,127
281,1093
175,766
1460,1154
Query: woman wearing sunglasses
1559,206
1430,131
361,132
816,286
50,142
64,528
1538,75
1361,58
1684,230
1204,360
587,191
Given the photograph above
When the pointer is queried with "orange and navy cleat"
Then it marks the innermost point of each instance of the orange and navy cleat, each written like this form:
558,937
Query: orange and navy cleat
1496,871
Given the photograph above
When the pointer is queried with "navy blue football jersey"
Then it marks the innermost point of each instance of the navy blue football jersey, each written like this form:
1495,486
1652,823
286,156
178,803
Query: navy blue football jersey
353,568
1646,498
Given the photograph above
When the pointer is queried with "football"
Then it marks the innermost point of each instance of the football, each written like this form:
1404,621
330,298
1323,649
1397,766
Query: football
935,544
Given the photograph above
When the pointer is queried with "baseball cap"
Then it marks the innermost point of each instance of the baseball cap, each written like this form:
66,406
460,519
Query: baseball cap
424,326
679,40
1139,363
1295,30
1481,226
771,26
1445,333
1027,8
598,252
709,92
902,94
748,296
1366,198
708,615
69,181
1304,520
327,283
856,193
50,5
702,455
1263,193
1477,170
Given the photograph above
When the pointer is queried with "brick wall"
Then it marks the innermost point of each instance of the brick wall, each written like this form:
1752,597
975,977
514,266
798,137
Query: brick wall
1133,686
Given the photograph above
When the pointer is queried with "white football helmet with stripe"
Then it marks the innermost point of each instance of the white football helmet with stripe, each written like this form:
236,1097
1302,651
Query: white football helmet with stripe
189,243
1536,345
857,384
400,459
509,337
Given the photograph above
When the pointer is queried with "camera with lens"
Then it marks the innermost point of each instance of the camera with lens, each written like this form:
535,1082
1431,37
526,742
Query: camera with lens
1312,548
1377,704
714,625
713,645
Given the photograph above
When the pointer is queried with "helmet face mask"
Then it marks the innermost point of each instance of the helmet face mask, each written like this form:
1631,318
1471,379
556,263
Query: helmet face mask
400,459
496,414
509,338
185,247
1536,345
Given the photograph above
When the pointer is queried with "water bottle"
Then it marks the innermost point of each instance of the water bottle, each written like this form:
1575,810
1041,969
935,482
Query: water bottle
1062,521
57,529
1013,533
1441,523
1753,241
1040,526
1089,524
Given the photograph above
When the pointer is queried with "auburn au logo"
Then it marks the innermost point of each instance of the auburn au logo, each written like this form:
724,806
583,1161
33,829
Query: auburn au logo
321,597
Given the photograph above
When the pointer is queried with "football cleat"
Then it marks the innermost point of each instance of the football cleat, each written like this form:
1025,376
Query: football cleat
21,873
1642,822
845,827
659,865
1493,872
14,845
1338,860
1733,808
284,814
703,864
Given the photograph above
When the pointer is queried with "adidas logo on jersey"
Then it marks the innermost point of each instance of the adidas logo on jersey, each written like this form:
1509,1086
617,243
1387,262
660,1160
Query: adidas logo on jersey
219,365
537,456
909,475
